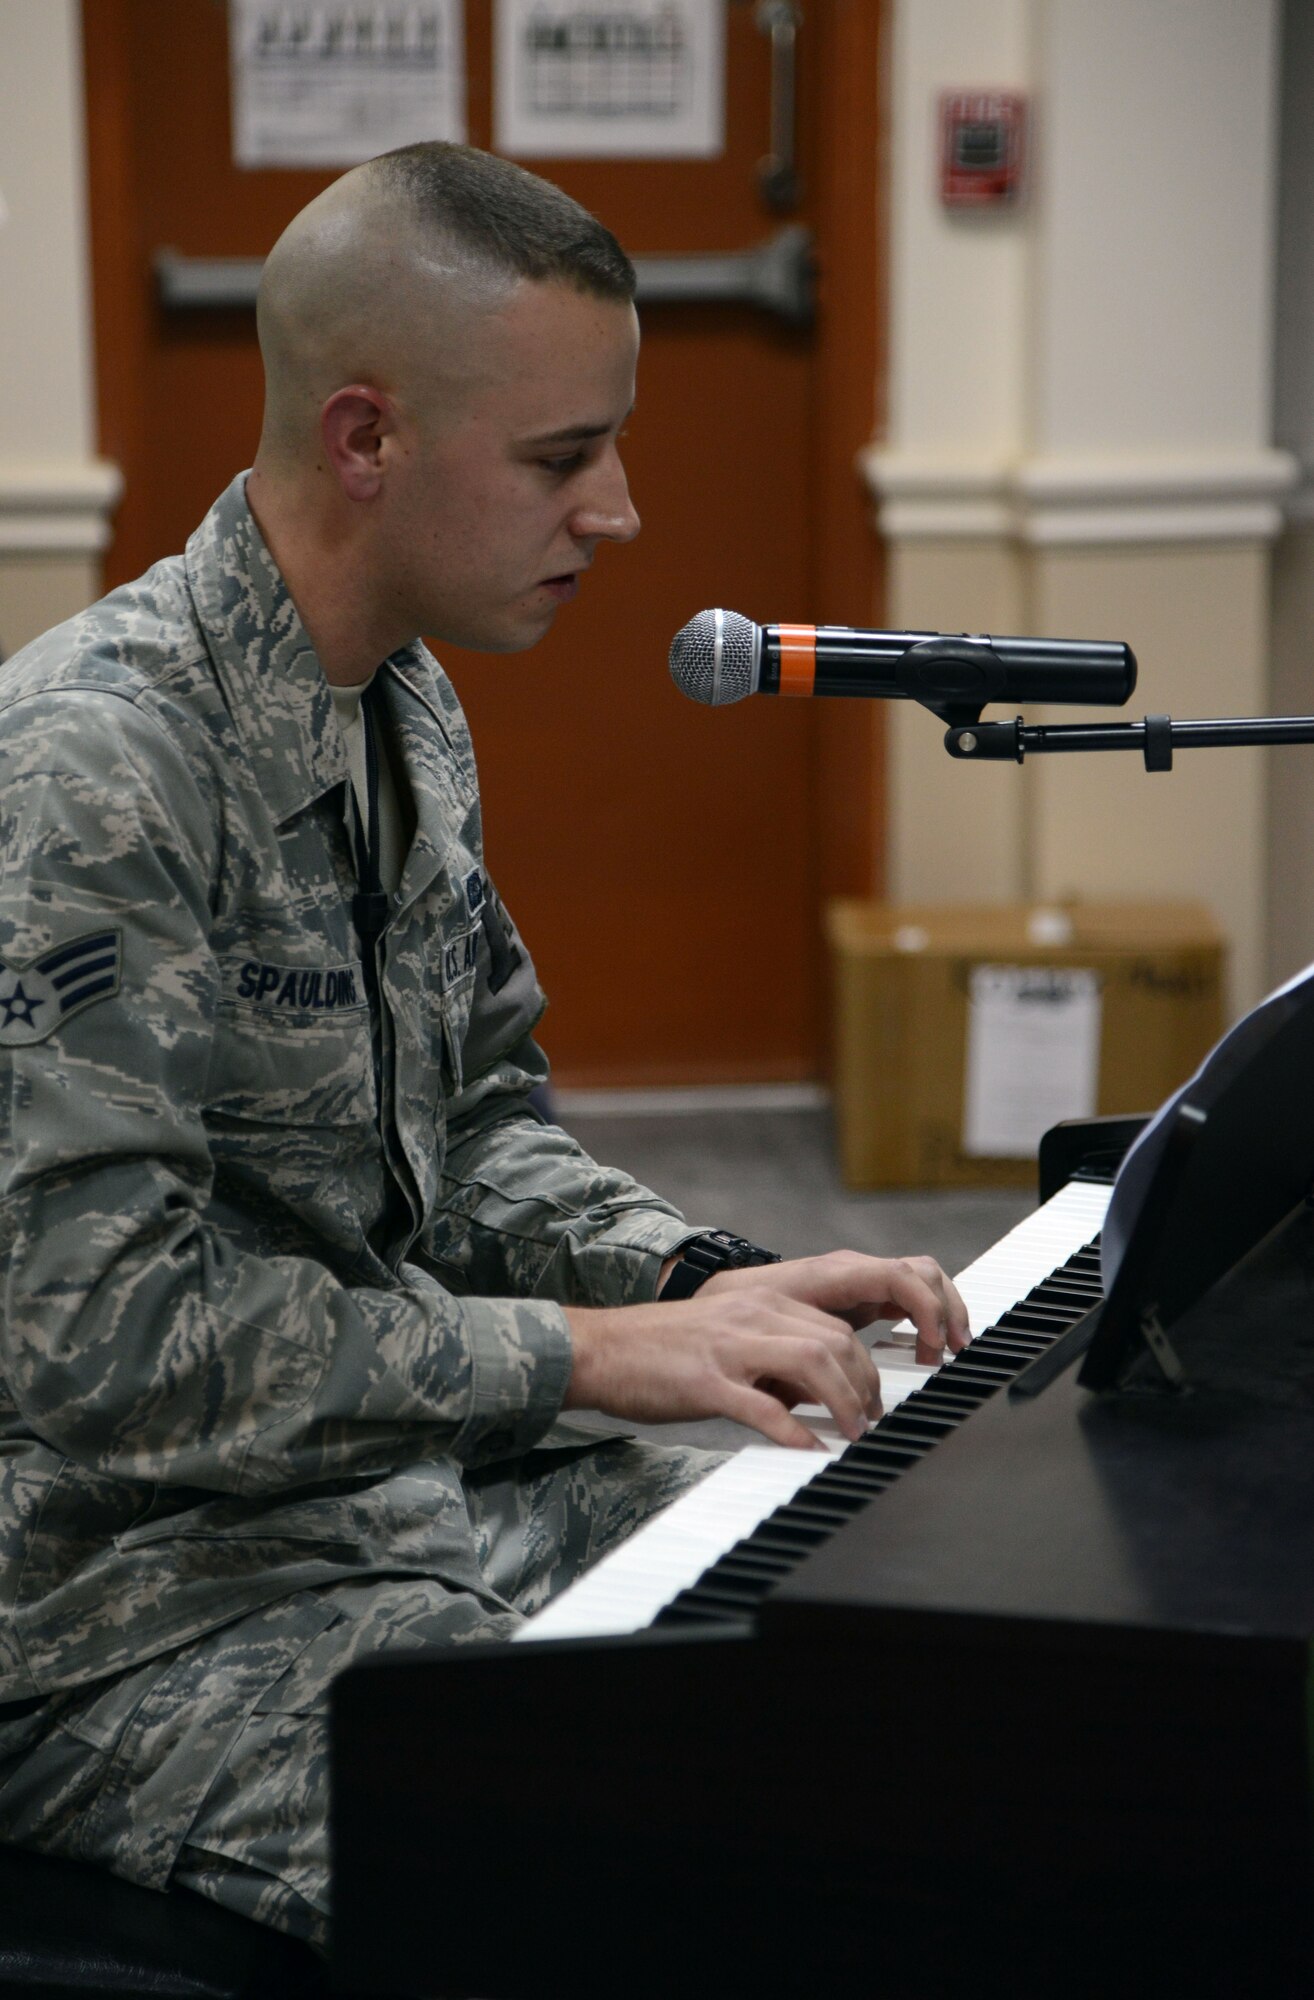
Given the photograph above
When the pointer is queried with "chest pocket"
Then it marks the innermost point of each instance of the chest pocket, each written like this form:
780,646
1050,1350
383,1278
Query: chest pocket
292,1047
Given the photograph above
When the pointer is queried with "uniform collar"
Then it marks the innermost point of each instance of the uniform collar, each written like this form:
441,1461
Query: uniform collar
267,666
280,701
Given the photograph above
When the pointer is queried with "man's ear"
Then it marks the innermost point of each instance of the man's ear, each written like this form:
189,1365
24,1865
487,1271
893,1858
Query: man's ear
353,423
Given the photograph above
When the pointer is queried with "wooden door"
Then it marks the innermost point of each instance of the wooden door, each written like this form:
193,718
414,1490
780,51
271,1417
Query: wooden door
666,863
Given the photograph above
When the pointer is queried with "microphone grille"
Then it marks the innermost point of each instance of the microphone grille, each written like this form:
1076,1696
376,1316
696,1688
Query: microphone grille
714,657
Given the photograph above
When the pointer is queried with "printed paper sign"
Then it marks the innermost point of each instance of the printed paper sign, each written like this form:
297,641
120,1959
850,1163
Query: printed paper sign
638,77
329,85
1033,1056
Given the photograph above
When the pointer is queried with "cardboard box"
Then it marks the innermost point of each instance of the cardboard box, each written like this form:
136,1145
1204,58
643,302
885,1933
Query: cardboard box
923,1025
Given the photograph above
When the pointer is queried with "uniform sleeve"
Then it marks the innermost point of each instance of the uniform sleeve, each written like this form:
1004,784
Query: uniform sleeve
135,1338
525,1209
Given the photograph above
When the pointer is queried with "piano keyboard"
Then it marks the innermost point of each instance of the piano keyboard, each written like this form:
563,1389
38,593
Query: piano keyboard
716,1550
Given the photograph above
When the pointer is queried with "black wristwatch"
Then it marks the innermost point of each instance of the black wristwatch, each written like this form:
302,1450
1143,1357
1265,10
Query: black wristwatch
702,1258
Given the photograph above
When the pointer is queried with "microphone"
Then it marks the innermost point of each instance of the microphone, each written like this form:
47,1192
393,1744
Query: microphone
720,657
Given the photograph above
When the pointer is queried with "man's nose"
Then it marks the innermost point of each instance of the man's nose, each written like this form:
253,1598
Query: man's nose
606,512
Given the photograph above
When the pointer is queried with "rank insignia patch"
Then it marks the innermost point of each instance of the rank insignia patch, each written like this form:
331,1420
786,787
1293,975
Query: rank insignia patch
35,999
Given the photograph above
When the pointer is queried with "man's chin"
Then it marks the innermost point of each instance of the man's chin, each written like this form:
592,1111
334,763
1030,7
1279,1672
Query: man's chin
519,637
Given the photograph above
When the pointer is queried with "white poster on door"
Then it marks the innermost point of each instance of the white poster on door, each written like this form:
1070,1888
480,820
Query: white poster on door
334,83
1033,1055
637,78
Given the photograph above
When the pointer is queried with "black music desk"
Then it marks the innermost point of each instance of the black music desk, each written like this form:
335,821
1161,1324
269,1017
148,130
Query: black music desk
1034,1723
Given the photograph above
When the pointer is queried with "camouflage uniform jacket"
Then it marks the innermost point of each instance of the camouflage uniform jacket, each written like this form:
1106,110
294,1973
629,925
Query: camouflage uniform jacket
249,1331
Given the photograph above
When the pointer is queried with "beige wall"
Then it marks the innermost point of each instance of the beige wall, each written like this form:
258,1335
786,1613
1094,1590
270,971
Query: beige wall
1291,770
37,592
55,495
1291,784
1080,439
1104,826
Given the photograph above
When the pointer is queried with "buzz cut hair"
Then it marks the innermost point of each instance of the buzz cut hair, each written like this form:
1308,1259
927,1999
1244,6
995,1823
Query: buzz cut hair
511,222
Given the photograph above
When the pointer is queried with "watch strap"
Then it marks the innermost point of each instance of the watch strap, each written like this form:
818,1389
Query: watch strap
705,1255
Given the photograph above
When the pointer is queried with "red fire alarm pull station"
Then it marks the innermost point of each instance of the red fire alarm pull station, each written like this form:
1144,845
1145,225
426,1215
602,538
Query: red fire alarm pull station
982,147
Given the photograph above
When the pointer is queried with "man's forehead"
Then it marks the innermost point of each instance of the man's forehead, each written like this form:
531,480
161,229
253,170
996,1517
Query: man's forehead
552,363
552,322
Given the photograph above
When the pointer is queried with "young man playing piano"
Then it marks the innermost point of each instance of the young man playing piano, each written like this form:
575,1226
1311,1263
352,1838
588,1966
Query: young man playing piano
297,1286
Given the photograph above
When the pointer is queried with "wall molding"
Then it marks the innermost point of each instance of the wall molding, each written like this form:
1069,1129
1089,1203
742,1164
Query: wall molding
1086,501
57,507
1300,502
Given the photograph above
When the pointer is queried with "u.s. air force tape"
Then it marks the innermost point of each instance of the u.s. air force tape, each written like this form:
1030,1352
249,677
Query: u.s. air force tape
39,997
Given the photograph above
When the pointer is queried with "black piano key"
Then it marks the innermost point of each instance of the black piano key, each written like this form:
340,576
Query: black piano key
1069,1299
881,1448
1065,1274
1066,1284
744,1560
958,1403
1035,1319
983,1381
1010,1343
965,1410
804,1510
913,1410
982,1367
723,1595
961,1402
917,1429
787,1537
1043,1300
1081,1264
914,1444
1014,1355
848,1478
686,1610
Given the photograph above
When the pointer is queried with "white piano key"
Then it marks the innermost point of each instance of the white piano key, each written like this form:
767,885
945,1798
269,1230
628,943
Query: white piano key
628,1587
625,1590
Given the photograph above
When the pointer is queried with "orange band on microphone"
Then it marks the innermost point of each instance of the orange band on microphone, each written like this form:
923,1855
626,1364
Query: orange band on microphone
798,658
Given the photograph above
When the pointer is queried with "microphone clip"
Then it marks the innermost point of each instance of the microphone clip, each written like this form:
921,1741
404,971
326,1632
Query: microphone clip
953,676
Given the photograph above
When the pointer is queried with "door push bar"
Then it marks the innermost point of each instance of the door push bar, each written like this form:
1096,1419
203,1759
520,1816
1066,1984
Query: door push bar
777,277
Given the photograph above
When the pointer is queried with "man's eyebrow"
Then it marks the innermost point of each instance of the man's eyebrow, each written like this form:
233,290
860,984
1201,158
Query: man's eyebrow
573,433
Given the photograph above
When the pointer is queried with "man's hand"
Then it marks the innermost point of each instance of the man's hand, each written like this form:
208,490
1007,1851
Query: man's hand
861,1289
750,1343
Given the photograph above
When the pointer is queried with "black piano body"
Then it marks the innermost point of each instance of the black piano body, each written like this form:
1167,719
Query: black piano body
1035,1722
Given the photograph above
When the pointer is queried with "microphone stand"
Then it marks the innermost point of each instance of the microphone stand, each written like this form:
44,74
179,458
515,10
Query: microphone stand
1156,737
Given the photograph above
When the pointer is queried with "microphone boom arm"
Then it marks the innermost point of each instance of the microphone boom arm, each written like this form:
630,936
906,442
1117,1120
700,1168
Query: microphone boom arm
1156,737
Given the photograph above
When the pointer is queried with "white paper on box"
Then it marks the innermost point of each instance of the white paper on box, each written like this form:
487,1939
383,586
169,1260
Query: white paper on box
333,83
1033,1055
634,78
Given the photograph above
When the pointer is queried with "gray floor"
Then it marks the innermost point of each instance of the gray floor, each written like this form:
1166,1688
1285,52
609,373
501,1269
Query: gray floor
771,1175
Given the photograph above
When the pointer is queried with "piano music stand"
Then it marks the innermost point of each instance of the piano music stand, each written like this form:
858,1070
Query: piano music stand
1228,1161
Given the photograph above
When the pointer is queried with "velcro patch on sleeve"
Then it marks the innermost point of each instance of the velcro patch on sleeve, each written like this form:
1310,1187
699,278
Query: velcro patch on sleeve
36,999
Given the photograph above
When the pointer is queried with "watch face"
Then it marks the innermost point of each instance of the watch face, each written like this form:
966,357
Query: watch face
724,1252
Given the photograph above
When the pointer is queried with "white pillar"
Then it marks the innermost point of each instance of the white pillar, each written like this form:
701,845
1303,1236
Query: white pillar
55,494
1080,434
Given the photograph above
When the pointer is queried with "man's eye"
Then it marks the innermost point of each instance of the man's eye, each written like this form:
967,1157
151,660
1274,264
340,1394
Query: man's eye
561,466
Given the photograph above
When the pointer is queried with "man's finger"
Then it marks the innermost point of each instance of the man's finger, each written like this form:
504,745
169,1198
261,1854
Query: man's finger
810,1371
958,1329
941,1321
762,1412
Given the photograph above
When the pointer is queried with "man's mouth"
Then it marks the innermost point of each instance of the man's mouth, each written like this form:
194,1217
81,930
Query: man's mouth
563,587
